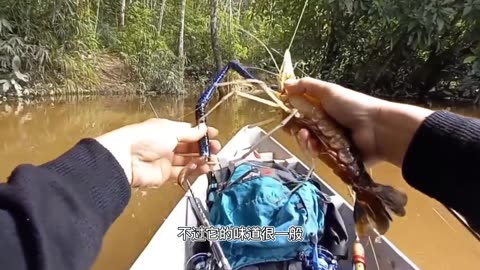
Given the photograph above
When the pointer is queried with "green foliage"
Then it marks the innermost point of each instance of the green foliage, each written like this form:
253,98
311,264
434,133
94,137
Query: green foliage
387,47
383,46
52,39
13,49
148,54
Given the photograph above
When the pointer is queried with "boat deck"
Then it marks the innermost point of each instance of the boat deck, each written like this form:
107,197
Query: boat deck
167,248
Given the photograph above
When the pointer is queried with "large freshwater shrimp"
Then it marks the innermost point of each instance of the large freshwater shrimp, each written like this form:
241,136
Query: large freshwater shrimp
373,201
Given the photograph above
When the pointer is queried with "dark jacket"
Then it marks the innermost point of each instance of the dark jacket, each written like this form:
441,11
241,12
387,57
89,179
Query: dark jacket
443,162
54,216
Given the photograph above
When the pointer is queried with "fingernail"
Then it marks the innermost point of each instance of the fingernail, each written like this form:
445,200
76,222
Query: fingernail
193,166
290,81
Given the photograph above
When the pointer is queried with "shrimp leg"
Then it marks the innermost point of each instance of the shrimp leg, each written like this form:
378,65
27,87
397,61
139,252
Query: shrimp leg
279,126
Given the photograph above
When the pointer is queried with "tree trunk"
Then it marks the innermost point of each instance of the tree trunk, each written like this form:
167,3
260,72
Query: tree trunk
214,7
99,2
239,11
160,17
181,54
477,99
122,14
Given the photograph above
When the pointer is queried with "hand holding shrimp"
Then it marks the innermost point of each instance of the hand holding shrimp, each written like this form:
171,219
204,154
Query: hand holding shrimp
353,110
364,116
374,202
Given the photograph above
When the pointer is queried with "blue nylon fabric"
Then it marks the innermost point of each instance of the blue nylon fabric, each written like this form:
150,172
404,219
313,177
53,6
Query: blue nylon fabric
262,200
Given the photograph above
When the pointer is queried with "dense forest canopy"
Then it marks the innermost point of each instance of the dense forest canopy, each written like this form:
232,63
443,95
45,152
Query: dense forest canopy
383,47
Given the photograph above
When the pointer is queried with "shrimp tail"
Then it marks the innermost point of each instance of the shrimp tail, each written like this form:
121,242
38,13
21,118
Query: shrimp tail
393,199
374,204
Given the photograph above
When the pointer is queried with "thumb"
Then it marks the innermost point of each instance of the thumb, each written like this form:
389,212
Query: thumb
192,134
310,86
291,85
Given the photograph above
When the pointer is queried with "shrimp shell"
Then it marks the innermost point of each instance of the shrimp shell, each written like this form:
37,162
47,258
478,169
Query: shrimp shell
374,201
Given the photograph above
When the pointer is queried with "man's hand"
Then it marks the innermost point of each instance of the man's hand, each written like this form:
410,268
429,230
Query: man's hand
155,151
381,130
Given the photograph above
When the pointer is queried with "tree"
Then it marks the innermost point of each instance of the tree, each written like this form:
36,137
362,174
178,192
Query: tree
160,17
181,54
122,14
214,7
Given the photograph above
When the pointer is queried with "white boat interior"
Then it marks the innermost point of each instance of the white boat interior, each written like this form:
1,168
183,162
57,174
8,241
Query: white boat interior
167,250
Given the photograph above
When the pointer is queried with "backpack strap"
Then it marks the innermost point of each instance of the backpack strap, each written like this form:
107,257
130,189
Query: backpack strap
222,177
335,237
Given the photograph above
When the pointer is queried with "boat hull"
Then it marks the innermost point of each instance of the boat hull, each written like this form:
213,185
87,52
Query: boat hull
167,250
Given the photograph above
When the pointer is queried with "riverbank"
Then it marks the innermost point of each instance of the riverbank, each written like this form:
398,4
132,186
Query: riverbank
113,76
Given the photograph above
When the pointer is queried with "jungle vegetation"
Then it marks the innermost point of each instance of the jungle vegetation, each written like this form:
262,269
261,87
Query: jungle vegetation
409,48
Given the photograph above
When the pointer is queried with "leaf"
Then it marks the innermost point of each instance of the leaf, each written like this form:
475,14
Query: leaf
21,76
16,63
6,86
447,93
476,66
362,6
467,10
410,40
349,5
440,24
448,11
429,40
6,24
17,86
470,59
411,25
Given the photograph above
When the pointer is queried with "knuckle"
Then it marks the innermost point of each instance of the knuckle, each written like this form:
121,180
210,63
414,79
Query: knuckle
306,81
155,121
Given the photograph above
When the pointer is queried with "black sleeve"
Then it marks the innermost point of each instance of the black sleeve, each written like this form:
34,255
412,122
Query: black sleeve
54,216
443,161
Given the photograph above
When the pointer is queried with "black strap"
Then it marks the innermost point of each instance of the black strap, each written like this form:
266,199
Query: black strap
335,237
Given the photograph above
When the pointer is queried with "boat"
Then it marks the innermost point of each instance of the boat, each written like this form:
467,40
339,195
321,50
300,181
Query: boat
166,250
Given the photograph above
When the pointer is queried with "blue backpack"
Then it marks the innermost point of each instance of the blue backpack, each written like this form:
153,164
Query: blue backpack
275,218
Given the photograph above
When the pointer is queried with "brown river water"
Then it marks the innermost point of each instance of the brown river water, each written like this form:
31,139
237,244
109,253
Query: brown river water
37,132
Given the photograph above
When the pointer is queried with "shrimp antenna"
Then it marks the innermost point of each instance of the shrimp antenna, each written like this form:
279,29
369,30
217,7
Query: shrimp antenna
263,44
298,24
262,69
277,52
